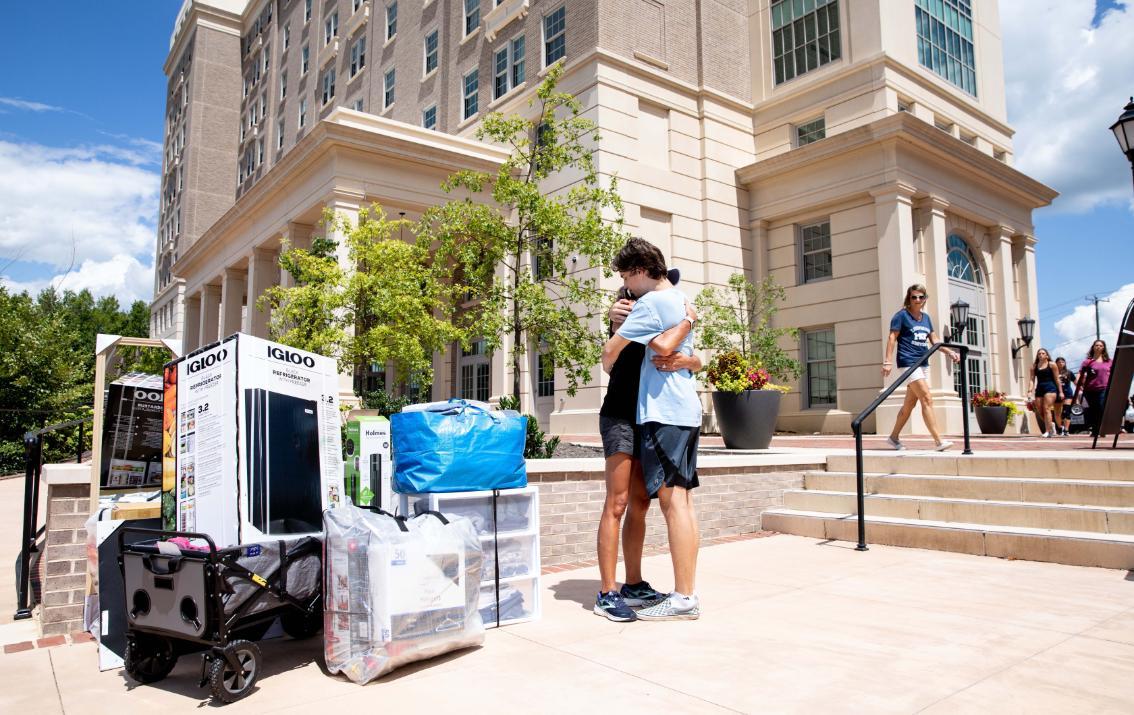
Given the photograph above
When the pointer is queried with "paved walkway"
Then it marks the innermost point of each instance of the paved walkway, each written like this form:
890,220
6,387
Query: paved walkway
790,625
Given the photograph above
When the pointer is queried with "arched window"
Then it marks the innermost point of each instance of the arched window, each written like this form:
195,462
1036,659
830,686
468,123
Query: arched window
960,261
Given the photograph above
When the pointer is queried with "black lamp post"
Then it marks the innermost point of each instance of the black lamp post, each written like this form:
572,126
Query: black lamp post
1124,132
1027,332
959,317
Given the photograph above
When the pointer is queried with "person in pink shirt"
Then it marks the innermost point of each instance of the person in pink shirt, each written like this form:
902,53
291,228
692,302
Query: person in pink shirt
1094,374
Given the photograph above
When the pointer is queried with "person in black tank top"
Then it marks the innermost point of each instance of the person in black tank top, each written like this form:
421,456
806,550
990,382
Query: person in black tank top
1047,381
625,485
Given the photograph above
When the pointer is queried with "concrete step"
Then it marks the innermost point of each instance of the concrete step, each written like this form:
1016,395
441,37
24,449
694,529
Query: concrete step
1100,465
1077,548
1081,492
1066,517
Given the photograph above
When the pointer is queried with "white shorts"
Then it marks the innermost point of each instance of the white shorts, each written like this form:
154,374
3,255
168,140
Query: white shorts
922,373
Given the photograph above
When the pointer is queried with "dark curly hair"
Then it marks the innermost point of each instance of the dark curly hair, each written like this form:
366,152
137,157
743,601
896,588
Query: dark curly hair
640,255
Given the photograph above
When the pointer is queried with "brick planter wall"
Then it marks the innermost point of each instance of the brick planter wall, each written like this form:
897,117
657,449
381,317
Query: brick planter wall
64,560
730,500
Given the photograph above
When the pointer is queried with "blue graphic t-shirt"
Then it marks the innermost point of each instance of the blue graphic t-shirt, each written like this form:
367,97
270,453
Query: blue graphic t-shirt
913,336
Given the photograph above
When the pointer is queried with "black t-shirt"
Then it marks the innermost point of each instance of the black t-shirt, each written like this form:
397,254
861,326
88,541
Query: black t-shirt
621,400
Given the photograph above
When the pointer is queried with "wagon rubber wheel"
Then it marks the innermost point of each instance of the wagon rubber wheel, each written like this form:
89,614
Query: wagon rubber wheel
229,685
149,659
300,625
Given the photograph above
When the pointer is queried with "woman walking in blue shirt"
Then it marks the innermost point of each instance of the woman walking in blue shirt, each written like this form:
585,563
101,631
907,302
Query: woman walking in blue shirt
911,331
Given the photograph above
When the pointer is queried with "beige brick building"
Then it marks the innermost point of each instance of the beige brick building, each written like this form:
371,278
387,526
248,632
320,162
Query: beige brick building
846,147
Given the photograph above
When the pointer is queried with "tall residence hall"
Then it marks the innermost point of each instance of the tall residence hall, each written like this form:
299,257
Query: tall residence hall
847,148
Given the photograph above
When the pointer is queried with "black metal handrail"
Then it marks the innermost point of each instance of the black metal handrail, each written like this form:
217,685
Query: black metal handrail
33,466
856,425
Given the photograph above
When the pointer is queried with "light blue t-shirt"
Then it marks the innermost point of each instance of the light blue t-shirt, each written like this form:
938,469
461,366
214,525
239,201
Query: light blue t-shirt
666,397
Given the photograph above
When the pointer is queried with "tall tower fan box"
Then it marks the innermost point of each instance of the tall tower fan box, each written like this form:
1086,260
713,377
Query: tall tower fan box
251,441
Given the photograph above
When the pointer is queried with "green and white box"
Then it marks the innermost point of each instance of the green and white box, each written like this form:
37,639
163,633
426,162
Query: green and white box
369,470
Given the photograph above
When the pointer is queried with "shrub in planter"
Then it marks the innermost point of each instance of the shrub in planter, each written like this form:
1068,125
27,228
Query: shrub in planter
993,411
736,324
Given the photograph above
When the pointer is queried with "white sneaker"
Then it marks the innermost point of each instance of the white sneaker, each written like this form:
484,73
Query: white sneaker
895,443
1045,434
943,446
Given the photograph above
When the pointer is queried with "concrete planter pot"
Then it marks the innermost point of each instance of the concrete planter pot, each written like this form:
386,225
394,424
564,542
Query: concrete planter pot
991,420
747,419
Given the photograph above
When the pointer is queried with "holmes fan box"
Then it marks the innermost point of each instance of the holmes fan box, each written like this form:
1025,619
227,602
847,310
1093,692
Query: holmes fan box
251,441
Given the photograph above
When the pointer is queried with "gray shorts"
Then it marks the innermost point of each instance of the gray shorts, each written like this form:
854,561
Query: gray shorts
618,436
669,456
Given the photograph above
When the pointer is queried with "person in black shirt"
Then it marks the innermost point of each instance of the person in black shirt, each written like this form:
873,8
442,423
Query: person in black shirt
625,485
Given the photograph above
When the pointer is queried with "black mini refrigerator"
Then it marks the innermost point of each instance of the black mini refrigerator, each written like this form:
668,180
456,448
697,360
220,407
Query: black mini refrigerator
283,462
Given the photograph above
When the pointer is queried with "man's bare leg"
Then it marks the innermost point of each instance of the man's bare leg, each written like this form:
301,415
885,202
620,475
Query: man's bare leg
684,539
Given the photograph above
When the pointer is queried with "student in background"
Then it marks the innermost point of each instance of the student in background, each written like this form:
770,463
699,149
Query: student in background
1045,382
1094,375
1063,402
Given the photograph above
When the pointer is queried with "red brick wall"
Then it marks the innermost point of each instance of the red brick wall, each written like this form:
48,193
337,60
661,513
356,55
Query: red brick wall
64,561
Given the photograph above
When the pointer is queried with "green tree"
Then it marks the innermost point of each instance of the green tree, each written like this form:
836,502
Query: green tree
739,319
517,256
388,305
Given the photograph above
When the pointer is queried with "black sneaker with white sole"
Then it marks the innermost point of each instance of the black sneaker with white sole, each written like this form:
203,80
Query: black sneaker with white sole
641,594
611,605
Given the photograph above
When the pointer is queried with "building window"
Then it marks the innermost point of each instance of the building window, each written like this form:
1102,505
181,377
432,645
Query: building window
542,266
812,131
819,367
508,67
472,16
471,87
391,20
945,40
815,251
431,52
286,36
279,133
555,36
329,85
267,58
388,89
259,152
960,262
306,10
357,106
283,85
354,5
474,372
302,112
358,56
545,376
304,59
429,117
805,35
331,27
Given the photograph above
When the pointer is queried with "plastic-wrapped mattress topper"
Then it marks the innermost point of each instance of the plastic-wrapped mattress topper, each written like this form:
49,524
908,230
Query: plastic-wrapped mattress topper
398,590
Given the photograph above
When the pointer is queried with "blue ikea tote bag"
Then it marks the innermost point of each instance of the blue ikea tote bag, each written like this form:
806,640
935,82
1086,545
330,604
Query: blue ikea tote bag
456,446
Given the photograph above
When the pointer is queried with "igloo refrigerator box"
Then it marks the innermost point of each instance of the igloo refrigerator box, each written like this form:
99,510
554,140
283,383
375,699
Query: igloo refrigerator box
368,468
253,449
131,434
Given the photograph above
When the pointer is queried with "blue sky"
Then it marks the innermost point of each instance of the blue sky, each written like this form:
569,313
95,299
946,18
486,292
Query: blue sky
81,132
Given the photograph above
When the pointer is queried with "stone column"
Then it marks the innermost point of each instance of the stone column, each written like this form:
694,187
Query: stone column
1009,370
344,206
232,301
210,315
893,219
263,273
937,281
296,235
192,323
759,250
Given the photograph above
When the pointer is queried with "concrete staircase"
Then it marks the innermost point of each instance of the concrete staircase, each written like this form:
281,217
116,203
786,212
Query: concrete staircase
1065,509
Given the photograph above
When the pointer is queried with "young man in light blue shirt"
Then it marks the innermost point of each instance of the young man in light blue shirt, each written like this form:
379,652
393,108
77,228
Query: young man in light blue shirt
669,417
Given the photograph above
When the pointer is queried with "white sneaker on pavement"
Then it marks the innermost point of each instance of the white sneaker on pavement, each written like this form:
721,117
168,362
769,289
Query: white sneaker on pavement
895,443
943,446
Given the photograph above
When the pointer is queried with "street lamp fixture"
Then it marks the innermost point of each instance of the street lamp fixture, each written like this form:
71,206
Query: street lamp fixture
1027,332
1124,132
959,317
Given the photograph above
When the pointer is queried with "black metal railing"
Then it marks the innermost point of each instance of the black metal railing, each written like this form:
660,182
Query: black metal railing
33,466
856,425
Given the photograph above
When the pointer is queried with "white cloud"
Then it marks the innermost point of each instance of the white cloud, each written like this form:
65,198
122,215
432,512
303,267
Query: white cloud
30,106
1066,83
1076,331
82,206
122,276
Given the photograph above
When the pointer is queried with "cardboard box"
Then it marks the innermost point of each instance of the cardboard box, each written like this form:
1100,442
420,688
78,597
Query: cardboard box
255,441
131,434
368,469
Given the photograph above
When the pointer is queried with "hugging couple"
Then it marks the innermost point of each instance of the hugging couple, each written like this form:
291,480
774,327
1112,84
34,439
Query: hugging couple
650,421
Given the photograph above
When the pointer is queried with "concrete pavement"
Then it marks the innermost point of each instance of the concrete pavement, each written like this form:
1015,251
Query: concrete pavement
790,624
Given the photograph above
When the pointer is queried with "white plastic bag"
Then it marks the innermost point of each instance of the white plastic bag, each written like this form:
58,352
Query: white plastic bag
398,590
